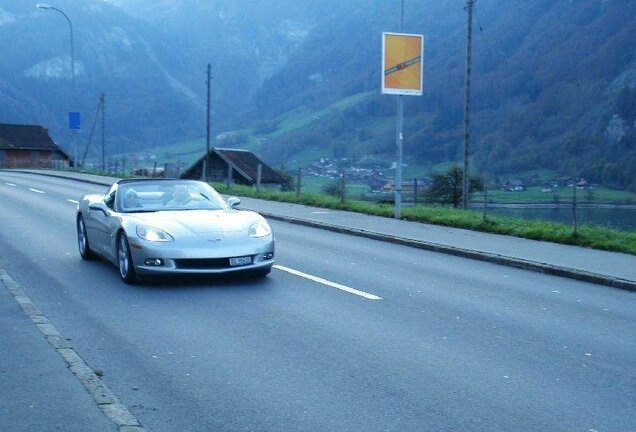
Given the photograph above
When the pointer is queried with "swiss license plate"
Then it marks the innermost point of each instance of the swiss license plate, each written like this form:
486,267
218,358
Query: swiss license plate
240,261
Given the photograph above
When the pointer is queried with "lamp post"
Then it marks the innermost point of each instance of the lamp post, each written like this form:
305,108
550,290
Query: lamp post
46,6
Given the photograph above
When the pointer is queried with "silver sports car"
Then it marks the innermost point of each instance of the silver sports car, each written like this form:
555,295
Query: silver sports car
148,227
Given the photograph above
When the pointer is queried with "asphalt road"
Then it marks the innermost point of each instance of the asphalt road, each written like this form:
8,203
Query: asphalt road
346,334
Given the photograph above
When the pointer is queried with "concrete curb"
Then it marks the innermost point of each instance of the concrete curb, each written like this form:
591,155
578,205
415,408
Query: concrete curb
103,397
535,266
63,176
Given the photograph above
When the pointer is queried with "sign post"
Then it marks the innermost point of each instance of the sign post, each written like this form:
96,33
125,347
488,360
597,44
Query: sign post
74,125
402,74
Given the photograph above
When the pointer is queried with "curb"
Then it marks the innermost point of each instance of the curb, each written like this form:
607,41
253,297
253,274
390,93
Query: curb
535,266
104,398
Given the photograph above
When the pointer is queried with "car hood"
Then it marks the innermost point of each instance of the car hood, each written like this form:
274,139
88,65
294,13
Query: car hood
199,221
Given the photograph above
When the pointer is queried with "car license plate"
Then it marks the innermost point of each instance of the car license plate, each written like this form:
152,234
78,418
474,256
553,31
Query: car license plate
240,261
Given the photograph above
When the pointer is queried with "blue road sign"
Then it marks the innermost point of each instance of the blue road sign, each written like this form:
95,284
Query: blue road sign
74,120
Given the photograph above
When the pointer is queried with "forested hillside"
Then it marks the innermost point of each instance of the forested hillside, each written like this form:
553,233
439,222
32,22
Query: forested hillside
554,83
553,86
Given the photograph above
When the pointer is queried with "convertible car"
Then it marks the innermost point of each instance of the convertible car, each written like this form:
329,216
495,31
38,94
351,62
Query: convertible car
154,227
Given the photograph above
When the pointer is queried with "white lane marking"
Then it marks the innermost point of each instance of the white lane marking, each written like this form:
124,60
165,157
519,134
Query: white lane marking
11,184
72,201
328,283
36,191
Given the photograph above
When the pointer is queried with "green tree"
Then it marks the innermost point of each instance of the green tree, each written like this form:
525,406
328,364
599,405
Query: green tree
446,188
333,188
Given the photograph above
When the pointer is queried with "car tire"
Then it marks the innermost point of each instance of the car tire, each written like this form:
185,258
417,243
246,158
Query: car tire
82,240
124,260
261,272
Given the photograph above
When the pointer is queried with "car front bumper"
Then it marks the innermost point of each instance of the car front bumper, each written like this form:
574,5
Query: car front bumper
199,257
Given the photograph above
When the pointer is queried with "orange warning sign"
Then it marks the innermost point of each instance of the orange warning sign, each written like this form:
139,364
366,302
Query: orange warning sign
402,63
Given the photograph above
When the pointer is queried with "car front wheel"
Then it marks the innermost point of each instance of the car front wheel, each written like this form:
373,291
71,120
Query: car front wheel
82,240
124,260
262,272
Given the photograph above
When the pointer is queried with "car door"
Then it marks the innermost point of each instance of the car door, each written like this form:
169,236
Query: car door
99,225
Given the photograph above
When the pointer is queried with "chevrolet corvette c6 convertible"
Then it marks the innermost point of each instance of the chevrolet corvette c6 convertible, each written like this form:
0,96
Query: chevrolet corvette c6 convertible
165,226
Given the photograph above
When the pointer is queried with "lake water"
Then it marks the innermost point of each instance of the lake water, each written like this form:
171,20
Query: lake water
620,218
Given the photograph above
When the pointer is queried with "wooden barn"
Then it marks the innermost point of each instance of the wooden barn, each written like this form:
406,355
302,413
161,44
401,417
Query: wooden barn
243,164
29,146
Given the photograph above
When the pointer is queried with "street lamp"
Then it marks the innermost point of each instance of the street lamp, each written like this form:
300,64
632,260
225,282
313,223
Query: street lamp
46,6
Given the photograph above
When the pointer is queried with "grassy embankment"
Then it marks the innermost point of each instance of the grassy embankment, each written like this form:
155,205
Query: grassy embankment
587,236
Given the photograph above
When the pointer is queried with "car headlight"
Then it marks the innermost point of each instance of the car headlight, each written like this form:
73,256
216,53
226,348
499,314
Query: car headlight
260,229
153,234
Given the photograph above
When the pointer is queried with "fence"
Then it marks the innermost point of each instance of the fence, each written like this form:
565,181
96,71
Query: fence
34,163
569,202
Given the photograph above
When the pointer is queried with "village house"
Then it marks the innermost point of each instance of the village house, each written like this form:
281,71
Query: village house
29,146
243,164
408,185
514,186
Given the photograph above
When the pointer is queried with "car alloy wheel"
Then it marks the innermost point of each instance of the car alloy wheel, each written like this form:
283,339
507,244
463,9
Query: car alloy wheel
82,240
124,259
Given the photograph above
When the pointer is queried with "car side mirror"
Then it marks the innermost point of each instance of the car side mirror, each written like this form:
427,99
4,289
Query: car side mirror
233,202
99,206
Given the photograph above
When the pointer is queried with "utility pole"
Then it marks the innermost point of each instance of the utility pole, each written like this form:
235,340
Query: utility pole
207,135
469,44
98,111
102,101
399,138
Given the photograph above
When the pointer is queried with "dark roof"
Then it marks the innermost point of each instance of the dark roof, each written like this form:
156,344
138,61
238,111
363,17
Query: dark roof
243,162
247,162
25,137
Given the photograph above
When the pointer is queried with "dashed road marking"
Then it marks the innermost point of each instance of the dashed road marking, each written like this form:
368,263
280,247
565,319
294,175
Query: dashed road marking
11,184
328,283
72,201
36,191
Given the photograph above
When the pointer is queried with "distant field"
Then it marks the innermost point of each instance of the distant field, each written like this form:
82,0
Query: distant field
315,185
597,237
535,195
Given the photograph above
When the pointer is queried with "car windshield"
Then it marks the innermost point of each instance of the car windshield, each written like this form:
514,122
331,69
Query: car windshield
167,195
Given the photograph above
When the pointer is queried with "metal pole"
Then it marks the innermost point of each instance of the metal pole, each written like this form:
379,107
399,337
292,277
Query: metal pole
415,187
70,25
574,221
103,130
343,186
73,98
469,44
399,138
485,216
207,135
229,175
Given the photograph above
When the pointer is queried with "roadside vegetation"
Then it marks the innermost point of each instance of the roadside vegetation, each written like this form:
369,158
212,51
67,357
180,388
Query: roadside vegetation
588,236
596,237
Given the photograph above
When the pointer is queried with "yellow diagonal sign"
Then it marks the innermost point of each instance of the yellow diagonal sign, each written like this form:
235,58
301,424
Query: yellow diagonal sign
402,63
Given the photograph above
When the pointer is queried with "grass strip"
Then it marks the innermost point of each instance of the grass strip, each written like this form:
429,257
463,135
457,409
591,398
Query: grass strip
595,237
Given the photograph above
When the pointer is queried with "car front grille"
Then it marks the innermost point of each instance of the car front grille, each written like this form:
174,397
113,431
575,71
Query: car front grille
206,263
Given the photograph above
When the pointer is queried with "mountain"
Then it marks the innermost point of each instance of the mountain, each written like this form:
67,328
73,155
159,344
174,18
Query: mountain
115,54
554,83
553,86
